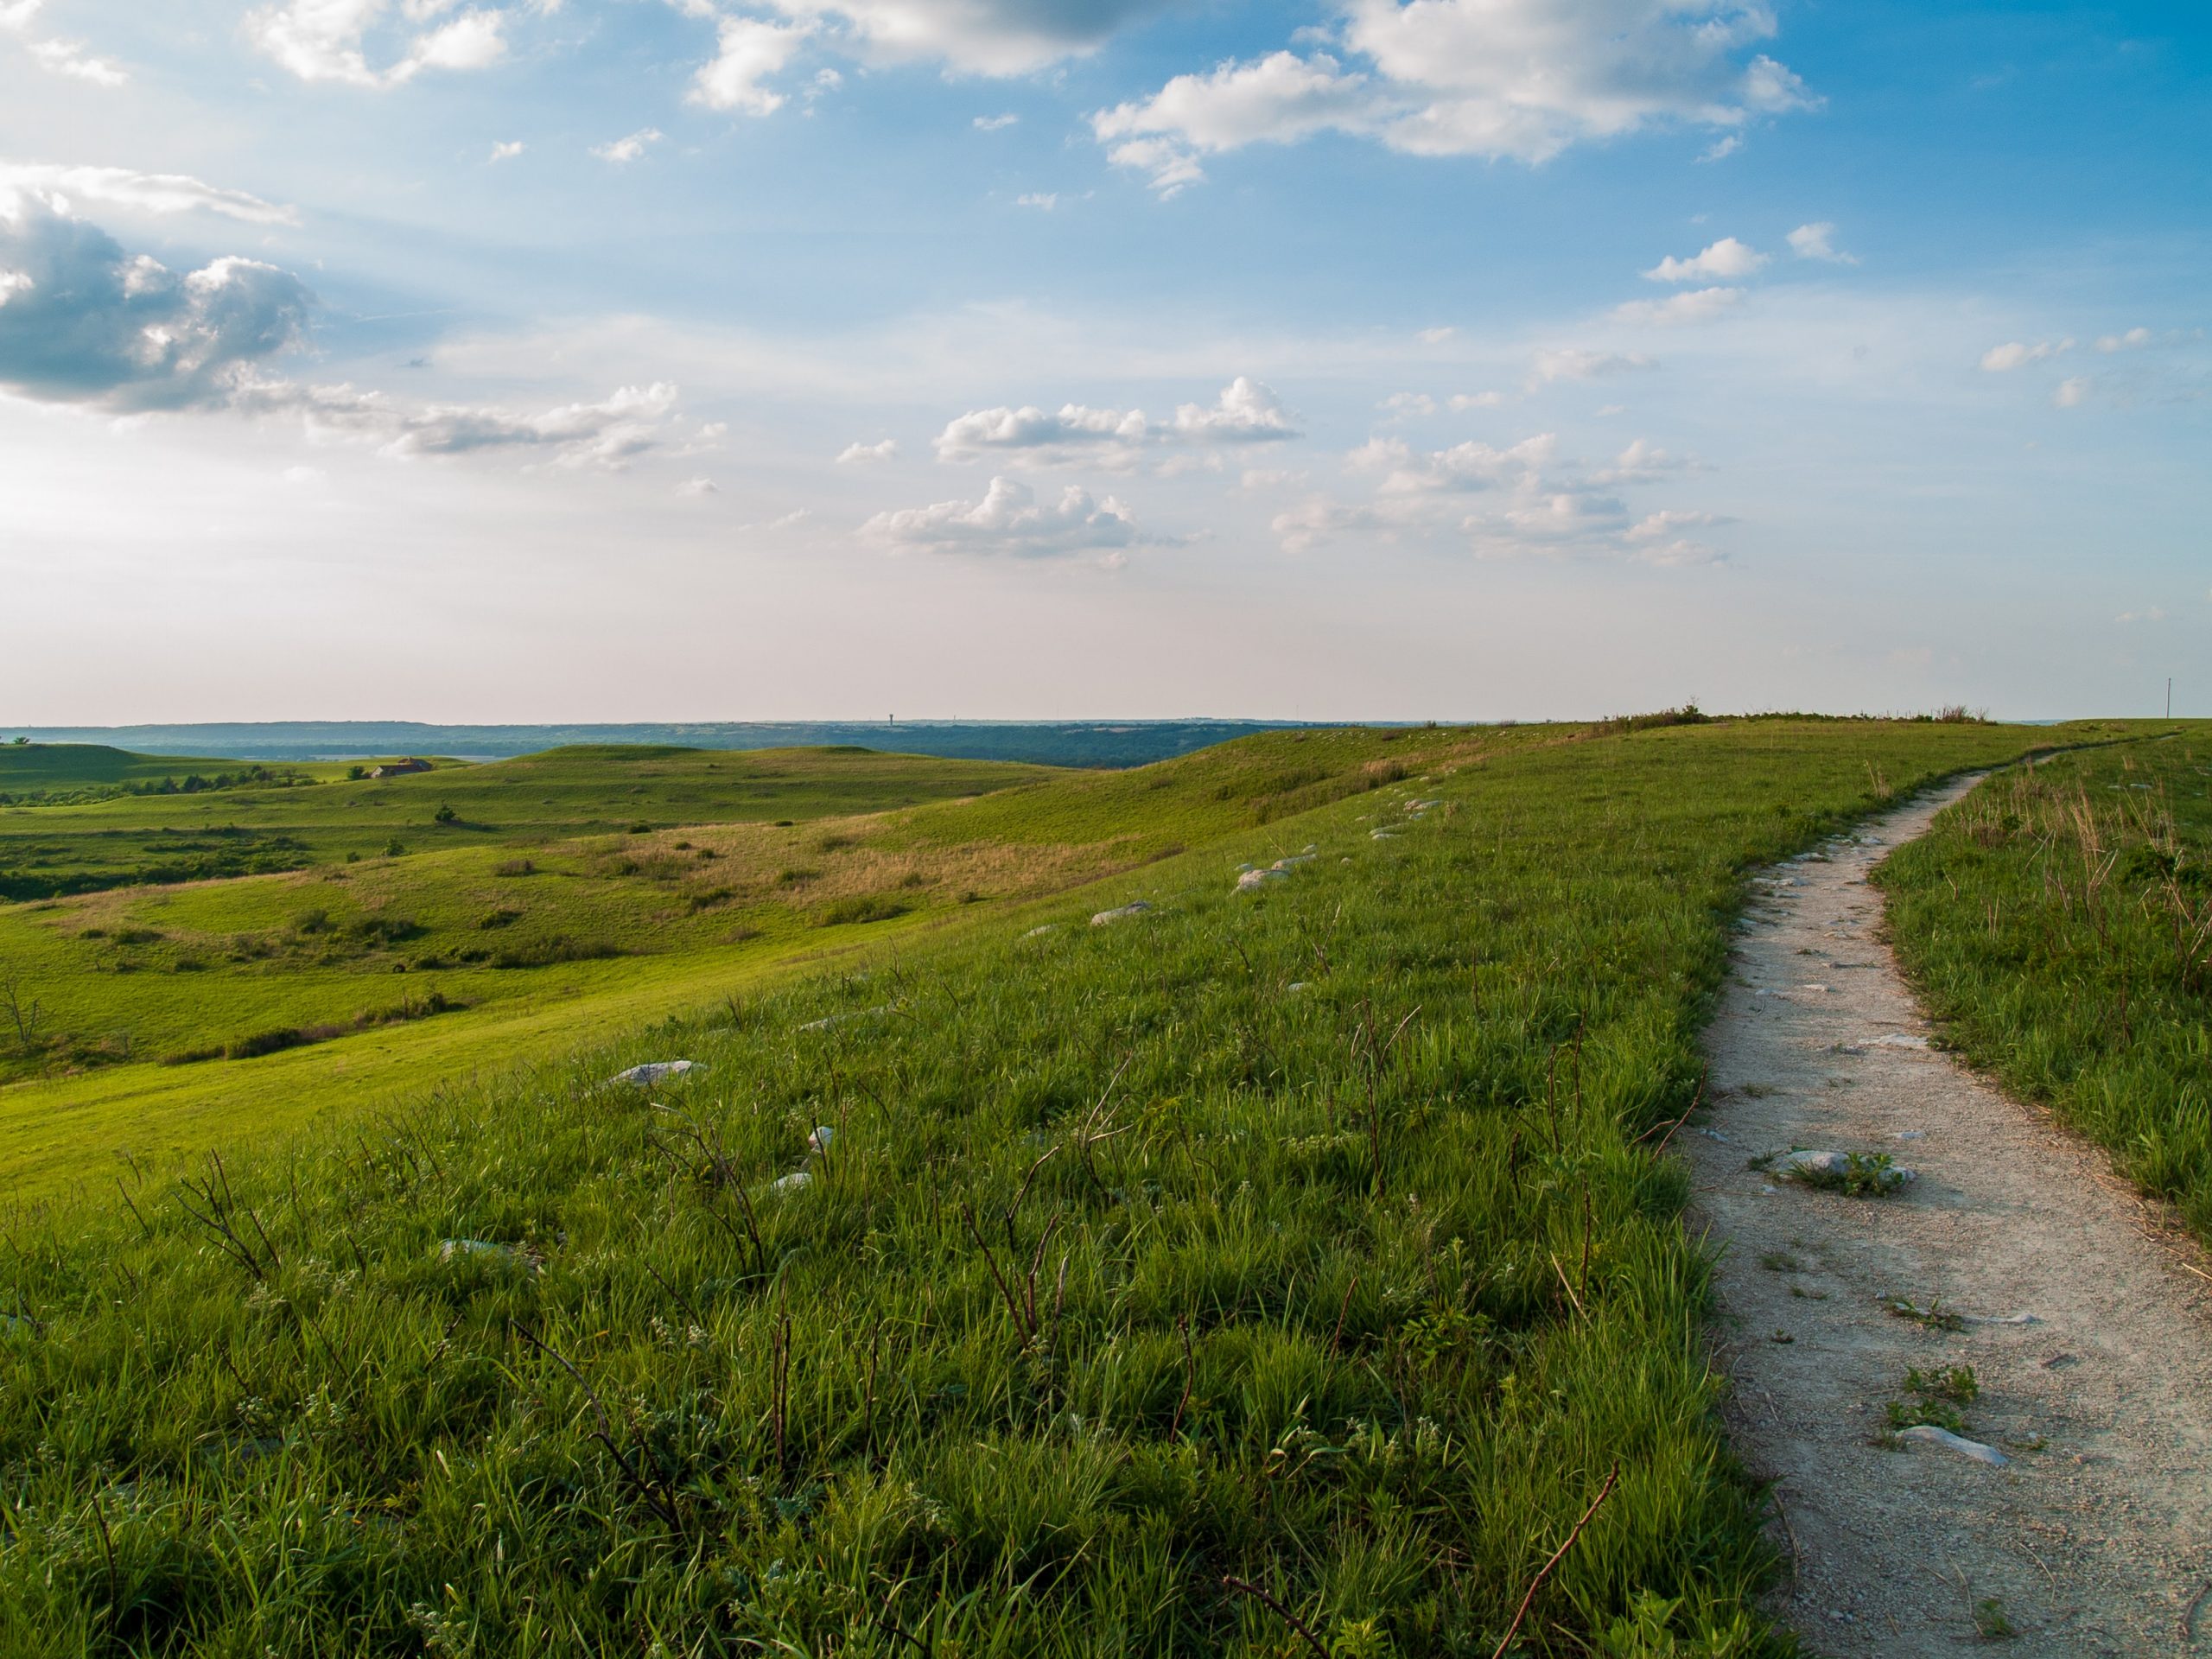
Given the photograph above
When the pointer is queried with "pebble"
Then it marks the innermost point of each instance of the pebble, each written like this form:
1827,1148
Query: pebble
1966,1448
1120,913
653,1071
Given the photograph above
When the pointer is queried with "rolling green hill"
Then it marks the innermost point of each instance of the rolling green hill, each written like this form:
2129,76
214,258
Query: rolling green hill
1005,1281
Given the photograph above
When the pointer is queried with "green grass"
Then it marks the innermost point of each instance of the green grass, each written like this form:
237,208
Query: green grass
2058,922
43,772
1302,1237
80,846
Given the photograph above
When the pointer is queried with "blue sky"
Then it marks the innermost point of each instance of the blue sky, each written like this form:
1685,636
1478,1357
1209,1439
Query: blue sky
655,358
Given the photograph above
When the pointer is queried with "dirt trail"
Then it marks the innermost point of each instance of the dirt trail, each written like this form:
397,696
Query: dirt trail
2096,1536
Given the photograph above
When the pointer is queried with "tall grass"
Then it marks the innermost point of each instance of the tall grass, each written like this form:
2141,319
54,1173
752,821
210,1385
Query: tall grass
2059,922
1311,1240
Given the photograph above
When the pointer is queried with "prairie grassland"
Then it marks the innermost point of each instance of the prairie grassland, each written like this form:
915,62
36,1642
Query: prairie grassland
158,1014
2058,921
119,840
1314,1242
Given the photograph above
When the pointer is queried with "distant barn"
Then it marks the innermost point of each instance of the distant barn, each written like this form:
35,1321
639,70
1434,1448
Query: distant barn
399,768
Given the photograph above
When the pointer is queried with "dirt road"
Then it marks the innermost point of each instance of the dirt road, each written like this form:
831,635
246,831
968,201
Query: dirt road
2086,1321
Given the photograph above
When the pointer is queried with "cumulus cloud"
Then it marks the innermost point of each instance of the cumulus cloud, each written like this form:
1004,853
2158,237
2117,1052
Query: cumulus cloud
607,434
86,321
982,37
1043,200
1696,305
748,51
1527,497
1572,364
859,454
330,40
1462,467
622,152
69,58
2134,341
153,193
995,123
506,151
1818,242
1722,148
1247,411
1010,520
1519,80
2016,354
695,488
1727,259
2071,392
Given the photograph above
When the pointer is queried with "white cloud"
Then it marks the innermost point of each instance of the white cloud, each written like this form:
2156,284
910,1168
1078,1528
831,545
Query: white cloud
1043,200
995,123
1572,364
506,151
1462,467
1522,79
1818,242
2150,614
70,58
2071,392
1405,405
695,488
1667,523
153,193
1009,520
2014,354
16,15
1696,305
328,40
622,152
86,321
859,455
607,435
1727,258
1460,402
1721,148
1247,411
2134,339
748,51
983,37
1436,336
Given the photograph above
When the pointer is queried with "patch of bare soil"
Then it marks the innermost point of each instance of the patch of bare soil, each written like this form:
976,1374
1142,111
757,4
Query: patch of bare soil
2085,1317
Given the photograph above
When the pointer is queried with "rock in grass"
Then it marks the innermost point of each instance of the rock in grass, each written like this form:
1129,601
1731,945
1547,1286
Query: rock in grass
1958,1443
1040,931
791,1183
1120,913
653,1071
1253,880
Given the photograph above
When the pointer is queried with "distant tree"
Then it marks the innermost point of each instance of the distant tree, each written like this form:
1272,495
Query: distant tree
446,815
354,774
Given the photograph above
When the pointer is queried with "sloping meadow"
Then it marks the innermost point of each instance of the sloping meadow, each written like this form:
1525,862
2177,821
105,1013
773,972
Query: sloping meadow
2059,922
1262,1272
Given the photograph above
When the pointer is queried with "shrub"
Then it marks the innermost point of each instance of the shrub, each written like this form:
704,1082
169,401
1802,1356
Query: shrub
862,907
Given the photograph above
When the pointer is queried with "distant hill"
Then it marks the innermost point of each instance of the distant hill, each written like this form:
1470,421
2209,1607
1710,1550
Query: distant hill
1057,743
40,767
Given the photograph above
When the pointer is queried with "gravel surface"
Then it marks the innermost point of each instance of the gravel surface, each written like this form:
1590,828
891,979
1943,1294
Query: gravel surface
2084,1313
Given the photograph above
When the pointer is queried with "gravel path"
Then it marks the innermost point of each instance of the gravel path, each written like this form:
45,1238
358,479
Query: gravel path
2096,1536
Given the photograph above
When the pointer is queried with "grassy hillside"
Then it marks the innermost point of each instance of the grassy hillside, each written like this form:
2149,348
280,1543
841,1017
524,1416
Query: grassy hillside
159,1010
49,849
2058,922
1300,1253
42,771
